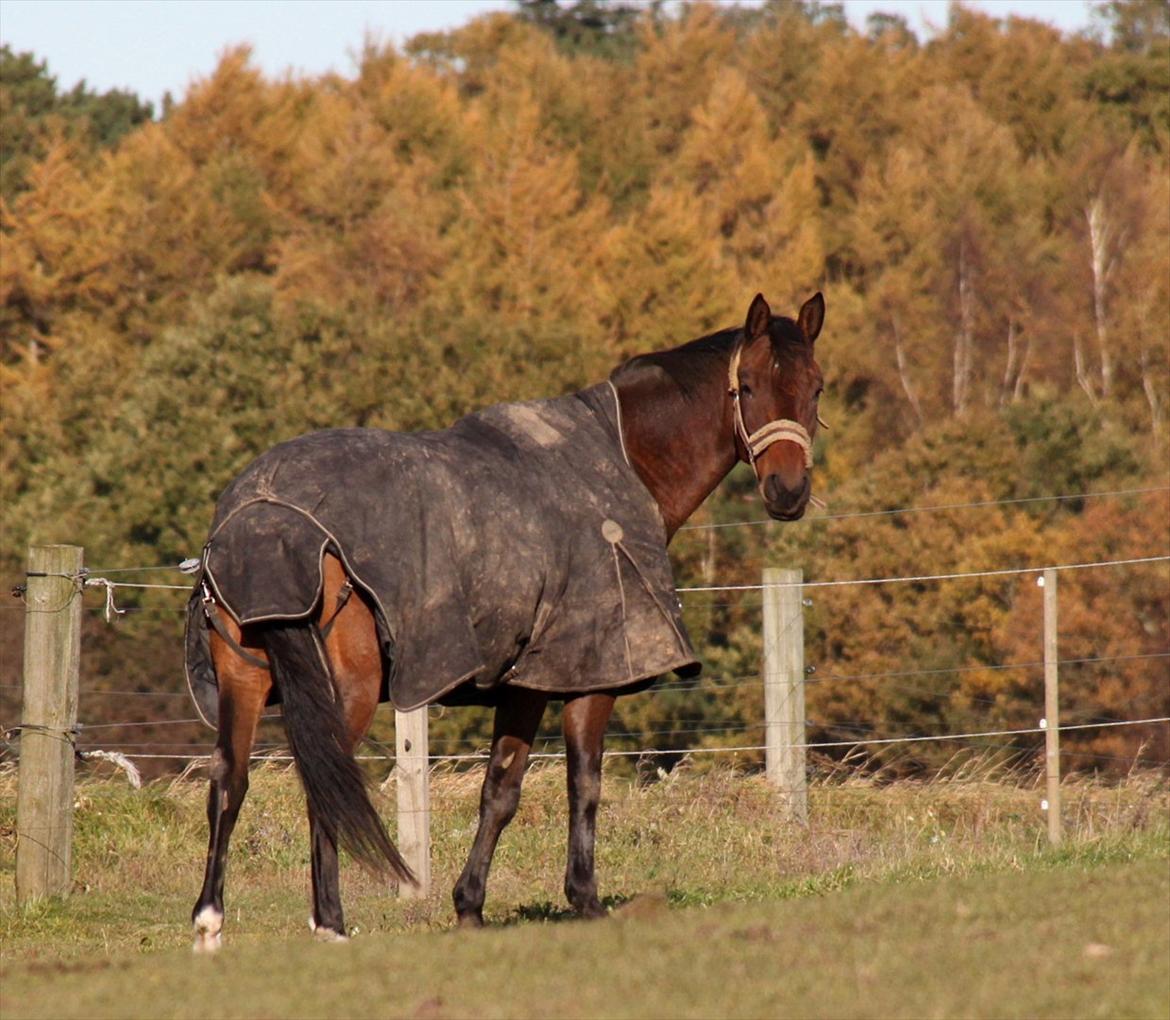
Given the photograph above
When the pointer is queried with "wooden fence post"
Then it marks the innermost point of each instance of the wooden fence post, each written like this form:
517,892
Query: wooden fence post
784,730
48,723
414,799
1051,709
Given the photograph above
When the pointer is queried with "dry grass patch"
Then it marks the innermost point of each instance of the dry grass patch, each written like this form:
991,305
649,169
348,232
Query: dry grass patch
691,838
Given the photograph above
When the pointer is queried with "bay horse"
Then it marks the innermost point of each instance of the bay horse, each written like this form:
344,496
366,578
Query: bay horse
684,418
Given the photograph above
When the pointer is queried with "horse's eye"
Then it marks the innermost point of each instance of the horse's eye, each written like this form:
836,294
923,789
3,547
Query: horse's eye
745,389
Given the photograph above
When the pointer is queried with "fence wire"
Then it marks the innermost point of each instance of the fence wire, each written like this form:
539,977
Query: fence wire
87,578
260,755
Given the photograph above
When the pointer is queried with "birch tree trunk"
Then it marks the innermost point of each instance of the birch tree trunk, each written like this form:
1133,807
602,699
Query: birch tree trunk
904,375
1101,263
1018,389
1157,411
1083,379
964,339
1017,362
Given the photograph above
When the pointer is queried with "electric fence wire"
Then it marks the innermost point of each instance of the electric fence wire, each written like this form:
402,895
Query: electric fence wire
85,579
681,751
895,511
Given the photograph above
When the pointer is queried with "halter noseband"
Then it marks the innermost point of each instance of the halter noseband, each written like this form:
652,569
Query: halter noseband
757,442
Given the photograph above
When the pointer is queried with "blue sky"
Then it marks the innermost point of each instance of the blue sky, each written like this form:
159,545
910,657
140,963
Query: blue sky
152,46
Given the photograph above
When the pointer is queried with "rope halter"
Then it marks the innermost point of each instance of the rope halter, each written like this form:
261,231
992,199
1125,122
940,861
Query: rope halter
755,443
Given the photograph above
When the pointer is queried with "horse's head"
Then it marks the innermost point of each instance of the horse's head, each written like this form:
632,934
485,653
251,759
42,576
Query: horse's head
774,383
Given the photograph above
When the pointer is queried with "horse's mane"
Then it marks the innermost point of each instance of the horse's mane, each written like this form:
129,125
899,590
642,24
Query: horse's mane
689,365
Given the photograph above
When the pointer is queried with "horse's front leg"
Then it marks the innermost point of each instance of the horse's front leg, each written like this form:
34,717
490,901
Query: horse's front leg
517,717
585,720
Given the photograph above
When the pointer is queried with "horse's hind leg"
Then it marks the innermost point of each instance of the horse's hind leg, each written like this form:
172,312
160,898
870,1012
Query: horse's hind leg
243,689
355,661
584,725
517,718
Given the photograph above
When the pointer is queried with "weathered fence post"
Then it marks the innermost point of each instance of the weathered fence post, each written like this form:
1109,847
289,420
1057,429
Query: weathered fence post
48,723
1051,709
414,798
784,733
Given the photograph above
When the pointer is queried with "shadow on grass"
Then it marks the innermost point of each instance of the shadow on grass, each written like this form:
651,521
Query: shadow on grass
645,903
546,912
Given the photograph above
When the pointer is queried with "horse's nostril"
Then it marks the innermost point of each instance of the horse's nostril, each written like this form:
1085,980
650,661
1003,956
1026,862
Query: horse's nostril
776,493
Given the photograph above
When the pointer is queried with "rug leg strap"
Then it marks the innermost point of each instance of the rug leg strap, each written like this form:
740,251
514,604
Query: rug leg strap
212,613
343,594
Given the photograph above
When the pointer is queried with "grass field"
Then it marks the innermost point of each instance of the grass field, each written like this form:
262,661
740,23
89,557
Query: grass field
900,899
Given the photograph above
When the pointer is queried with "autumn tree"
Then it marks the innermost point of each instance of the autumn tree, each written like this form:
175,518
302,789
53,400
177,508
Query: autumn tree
587,26
1131,83
34,114
509,209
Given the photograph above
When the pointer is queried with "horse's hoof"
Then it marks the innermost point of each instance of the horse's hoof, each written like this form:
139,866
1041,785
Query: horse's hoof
592,911
323,934
208,930
206,943
471,921
329,935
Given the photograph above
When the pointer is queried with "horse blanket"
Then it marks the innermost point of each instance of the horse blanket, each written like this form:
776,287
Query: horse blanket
517,546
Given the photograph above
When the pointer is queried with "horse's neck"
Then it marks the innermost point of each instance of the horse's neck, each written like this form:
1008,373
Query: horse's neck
680,440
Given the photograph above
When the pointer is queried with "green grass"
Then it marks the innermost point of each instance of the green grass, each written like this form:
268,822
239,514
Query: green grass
1059,942
907,898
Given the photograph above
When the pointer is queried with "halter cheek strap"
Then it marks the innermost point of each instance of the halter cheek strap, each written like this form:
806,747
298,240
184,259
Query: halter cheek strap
755,443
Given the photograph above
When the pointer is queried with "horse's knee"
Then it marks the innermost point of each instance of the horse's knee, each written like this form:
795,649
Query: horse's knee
587,786
228,773
505,795
500,798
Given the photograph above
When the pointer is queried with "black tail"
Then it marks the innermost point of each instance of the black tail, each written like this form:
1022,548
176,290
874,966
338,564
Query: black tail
333,782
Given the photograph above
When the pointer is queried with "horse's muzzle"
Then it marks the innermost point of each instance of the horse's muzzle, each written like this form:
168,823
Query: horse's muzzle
783,502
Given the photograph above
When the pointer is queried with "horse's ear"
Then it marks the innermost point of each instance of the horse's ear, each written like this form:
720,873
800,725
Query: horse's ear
759,318
812,316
